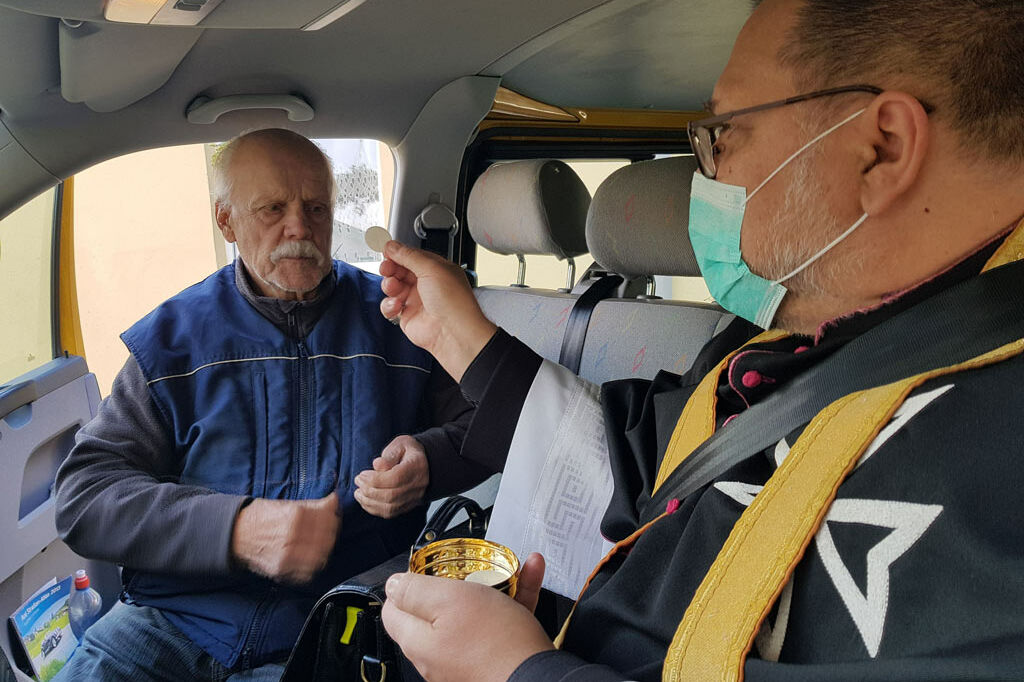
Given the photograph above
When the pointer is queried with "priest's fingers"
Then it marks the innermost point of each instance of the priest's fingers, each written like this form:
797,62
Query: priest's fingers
457,631
389,268
416,261
425,597
392,307
531,576
392,286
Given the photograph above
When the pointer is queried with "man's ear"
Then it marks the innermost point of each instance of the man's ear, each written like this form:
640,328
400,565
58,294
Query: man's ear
222,212
900,132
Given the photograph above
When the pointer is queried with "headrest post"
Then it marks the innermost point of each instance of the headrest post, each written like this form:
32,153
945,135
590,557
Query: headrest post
521,277
570,280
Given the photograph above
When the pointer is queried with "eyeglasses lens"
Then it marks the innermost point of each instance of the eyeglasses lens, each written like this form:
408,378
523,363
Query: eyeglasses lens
701,139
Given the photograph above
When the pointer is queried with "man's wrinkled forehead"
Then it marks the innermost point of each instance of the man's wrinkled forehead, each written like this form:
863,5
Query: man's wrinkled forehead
753,74
274,169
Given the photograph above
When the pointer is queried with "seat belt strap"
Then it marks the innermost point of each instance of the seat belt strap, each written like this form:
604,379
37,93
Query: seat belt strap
765,545
579,320
697,422
439,242
436,226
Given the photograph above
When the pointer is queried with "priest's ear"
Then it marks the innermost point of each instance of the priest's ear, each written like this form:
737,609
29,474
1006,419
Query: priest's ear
893,150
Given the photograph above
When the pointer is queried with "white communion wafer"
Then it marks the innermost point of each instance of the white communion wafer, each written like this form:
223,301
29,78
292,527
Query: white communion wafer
376,237
488,577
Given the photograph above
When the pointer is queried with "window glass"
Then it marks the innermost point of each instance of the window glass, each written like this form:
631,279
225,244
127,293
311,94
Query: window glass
26,274
364,173
145,230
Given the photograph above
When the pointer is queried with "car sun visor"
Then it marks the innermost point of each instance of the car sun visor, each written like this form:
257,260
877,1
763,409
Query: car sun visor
93,68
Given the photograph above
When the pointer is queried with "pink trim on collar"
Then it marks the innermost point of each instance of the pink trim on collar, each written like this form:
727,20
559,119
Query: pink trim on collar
732,366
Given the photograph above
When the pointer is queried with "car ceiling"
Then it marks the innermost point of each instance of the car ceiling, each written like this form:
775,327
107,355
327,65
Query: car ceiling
367,74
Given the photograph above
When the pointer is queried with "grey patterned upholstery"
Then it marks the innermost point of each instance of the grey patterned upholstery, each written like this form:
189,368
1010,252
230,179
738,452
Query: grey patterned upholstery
631,232
536,317
630,338
637,226
638,219
537,206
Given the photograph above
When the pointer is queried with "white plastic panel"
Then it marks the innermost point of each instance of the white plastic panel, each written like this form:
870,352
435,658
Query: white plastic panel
430,155
30,440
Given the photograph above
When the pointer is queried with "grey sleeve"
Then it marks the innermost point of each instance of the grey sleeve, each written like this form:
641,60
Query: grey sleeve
561,666
118,496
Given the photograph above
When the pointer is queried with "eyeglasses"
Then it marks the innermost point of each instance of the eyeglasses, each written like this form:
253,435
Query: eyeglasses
705,132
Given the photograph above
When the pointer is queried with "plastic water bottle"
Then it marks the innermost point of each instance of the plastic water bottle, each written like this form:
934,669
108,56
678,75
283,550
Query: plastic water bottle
84,605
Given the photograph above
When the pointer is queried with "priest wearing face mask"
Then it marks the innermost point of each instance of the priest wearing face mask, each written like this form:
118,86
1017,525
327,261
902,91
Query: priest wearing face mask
852,514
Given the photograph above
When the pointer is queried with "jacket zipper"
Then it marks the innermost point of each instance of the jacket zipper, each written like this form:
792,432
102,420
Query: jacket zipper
302,436
258,622
256,627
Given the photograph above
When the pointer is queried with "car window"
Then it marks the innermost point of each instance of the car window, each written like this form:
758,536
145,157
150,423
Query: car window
26,273
364,172
145,230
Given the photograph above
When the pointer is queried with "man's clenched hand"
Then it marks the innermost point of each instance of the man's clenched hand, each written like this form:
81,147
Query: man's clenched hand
286,540
398,479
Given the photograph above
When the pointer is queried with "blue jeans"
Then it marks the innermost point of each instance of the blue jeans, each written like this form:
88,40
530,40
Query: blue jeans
137,644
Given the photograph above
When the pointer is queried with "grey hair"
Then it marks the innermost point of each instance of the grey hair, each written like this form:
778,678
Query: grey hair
965,57
222,181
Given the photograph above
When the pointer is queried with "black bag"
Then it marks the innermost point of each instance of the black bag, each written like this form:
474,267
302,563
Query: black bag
343,637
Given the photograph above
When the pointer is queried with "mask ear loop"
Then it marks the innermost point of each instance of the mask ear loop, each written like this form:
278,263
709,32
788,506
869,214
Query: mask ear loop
825,250
785,163
800,151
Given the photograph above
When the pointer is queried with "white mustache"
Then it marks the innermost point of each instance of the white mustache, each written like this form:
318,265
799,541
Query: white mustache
301,249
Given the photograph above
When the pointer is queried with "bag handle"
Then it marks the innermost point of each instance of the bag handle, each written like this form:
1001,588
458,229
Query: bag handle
438,522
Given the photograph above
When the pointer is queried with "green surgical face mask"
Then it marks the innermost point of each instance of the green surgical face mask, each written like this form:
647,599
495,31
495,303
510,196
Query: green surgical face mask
716,222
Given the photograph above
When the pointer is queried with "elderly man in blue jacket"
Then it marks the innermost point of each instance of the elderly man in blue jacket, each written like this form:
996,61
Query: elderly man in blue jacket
232,468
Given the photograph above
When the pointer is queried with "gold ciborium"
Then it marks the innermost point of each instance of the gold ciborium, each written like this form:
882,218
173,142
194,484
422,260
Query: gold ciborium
469,559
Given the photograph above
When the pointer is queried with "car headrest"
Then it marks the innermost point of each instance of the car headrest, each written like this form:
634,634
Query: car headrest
638,220
537,206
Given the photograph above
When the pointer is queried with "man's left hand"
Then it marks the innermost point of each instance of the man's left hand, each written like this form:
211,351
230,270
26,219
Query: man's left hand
397,481
458,631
